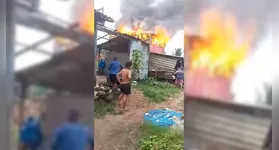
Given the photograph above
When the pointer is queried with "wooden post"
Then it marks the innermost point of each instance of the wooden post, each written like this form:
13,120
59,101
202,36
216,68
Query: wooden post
94,52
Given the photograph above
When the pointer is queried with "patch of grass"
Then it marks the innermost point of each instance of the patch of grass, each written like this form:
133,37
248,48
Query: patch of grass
159,138
103,108
157,91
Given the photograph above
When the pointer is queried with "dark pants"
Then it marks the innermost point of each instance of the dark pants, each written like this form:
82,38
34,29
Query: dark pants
101,71
113,78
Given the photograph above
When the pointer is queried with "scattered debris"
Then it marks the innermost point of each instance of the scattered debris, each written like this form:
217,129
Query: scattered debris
104,92
178,124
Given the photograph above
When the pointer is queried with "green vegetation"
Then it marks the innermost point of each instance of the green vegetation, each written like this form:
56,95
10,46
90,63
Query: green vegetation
178,52
157,91
158,138
137,59
102,108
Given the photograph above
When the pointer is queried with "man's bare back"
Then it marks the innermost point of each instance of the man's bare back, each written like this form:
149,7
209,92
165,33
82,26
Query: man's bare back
126,76
125,86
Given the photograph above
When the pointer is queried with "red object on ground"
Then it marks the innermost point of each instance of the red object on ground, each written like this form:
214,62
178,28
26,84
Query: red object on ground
200,84
156,49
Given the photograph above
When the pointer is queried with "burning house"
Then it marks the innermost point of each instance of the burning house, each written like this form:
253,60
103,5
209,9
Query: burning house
157,39
130,39
214,56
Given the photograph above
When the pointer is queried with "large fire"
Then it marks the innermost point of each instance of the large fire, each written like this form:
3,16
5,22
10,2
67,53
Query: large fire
221,46
159,37
86,21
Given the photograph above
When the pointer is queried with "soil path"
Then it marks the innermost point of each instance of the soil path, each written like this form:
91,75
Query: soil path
120,132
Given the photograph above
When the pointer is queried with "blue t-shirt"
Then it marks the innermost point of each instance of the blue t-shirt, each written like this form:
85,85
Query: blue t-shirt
102,64
31,133
72,136
114,67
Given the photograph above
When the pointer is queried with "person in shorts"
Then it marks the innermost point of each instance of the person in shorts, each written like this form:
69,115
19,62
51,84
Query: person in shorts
114,68
179,77
125,85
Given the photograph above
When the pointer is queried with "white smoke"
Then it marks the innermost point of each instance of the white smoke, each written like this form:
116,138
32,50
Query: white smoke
254,76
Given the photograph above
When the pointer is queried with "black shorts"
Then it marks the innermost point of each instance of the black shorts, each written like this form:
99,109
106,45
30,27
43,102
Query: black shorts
125,89
113,78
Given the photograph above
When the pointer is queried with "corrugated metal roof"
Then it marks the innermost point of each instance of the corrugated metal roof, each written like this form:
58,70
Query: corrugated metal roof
71,71
117,44
161,62
236,126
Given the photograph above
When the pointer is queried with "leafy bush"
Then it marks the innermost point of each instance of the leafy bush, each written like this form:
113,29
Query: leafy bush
159,138
157,91
137,59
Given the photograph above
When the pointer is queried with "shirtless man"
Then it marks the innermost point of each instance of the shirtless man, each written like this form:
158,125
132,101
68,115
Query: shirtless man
125,85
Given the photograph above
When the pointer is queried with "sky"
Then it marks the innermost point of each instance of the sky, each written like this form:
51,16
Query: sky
112,9
63,11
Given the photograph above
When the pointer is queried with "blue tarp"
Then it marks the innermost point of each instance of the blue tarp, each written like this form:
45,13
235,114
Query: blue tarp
162,117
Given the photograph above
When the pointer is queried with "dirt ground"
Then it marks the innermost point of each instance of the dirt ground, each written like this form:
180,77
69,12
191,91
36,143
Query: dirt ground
120,132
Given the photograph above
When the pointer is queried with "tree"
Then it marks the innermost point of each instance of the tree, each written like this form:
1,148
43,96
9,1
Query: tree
177,52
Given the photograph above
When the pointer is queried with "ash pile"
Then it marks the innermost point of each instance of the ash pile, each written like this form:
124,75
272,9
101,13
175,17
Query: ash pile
104,92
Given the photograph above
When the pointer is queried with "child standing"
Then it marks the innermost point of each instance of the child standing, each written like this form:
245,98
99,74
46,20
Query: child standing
179,77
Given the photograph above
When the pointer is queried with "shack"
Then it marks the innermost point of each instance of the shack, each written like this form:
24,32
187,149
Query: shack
162,66
69,73
122,47
213,118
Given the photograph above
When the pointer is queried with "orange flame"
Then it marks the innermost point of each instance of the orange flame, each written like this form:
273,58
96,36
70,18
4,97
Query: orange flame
159,37
87,19
219,48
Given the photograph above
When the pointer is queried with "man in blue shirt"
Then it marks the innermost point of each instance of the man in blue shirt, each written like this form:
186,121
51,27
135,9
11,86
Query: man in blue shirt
31,134
72,135
114,68
102,65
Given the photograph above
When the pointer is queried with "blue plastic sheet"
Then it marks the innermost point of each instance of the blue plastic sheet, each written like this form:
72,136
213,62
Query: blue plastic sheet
162,118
